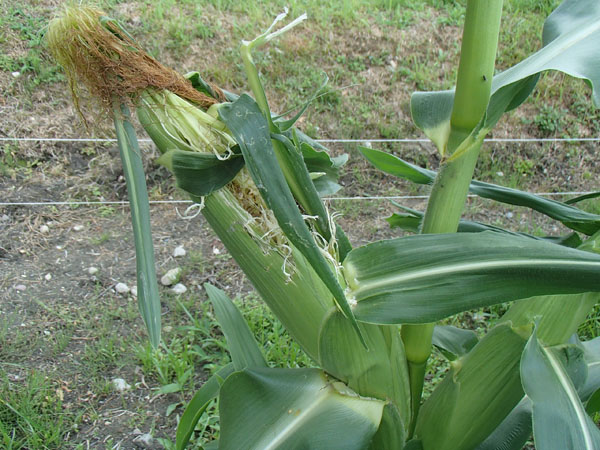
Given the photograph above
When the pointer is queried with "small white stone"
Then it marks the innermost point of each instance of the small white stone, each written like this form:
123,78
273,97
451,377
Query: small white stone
134,291
45,229
16,74
20,287
179,251
92,270
509,215
78,227
216,251
47,333
144,440
500,174
120,384
179,289
121,288
48,277
171,277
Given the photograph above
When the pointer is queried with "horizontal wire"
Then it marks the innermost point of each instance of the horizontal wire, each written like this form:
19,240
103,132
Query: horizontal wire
404,141
157,202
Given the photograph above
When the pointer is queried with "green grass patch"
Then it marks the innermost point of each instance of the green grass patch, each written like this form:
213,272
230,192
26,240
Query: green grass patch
31,413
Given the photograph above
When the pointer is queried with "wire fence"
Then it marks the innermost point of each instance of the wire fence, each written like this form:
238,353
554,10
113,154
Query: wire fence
323,141
348,141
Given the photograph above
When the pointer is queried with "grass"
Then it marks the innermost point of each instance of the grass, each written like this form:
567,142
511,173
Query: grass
31,412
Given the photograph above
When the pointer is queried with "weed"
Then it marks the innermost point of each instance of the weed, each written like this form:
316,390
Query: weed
549,120
101,239
31,413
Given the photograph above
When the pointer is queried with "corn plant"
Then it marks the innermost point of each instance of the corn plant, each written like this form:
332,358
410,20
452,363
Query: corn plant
366,316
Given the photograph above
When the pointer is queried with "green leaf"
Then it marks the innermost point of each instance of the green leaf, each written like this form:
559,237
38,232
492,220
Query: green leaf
424,278
558,316
580,198
133,169
242,346
570,37
431,113
169,388
200,85
319,161
480,390
513,432
198,405
311,201
251,131
413,444
559,418
294,409
592,357
411,221
406,222
391,434
380,372
200,174
570,216
453,342
398,167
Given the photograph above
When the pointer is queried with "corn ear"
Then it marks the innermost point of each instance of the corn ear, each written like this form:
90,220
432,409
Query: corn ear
299,299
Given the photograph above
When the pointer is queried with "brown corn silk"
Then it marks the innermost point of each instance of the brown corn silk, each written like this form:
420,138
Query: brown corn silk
94,51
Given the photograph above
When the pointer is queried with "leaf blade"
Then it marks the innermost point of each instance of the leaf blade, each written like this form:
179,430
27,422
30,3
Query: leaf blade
424,278
559,418
570,216
147,285
198,405
293,409
243,348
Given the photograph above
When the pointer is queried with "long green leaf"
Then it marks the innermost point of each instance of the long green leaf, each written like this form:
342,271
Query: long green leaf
133,169
243,348
251,131
294,409
571,35
480,390
198,404
570,216
312,202
559,417
423,278
411,221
